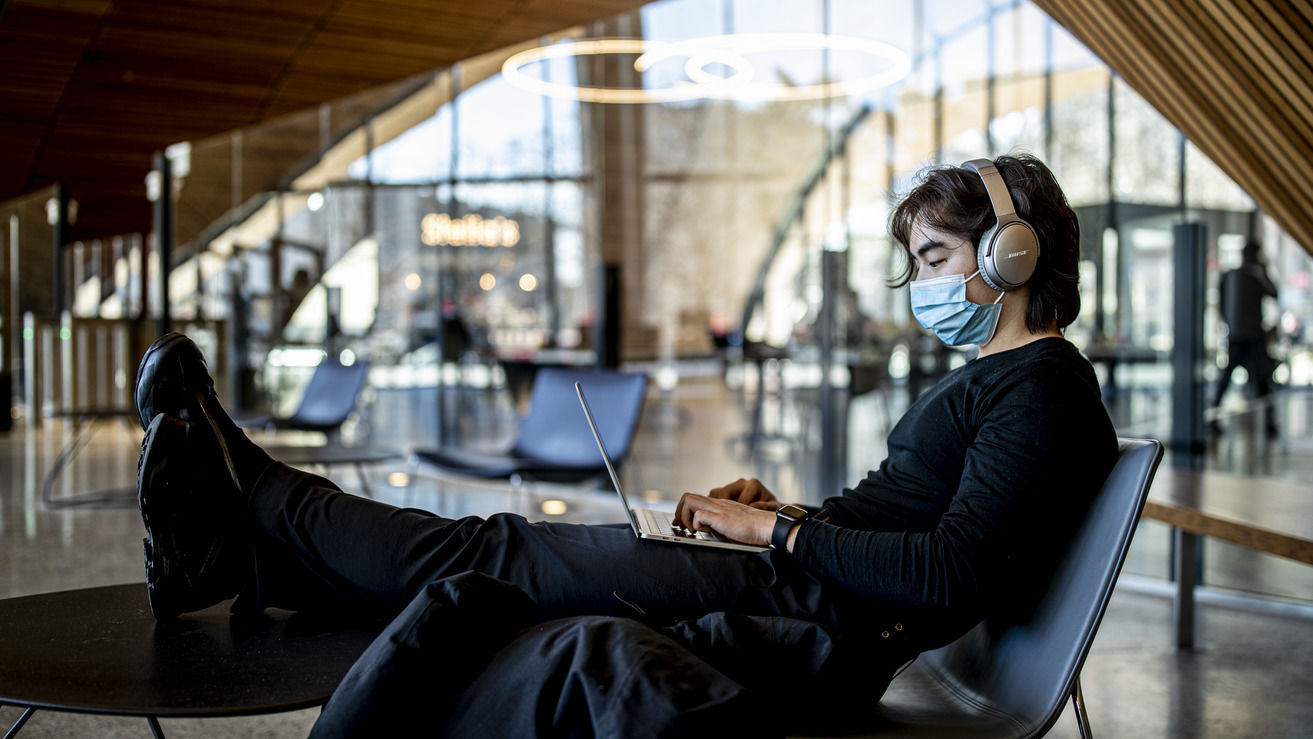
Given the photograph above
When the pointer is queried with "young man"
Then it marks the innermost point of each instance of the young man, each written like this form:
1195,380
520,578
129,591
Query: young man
986,476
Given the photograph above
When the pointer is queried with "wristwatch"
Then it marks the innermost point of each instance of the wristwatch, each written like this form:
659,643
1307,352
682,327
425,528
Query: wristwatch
786,517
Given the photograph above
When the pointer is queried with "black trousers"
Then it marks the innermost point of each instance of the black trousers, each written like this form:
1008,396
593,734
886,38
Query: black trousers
320,548
1253,356
587,602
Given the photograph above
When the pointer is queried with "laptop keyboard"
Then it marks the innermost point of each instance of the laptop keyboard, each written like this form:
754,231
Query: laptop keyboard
661,524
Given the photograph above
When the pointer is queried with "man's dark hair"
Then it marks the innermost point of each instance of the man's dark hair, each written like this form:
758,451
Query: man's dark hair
953,199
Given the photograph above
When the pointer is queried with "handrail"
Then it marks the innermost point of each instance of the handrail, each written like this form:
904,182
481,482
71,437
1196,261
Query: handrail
795,210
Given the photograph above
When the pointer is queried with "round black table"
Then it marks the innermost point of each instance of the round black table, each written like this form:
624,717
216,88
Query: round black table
99,650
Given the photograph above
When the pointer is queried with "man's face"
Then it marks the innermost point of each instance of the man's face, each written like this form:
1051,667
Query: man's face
939,253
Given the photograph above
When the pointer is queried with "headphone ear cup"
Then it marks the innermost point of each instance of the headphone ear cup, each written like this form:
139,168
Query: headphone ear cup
985,259
1014,255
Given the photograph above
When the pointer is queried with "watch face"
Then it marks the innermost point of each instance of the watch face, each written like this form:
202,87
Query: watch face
792,511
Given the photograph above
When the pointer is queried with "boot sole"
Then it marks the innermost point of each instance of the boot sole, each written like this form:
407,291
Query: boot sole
165,433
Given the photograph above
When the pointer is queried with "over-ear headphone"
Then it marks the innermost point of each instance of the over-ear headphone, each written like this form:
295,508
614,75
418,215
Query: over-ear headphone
1008,251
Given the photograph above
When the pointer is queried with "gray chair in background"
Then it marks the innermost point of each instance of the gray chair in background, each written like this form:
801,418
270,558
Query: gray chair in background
554,443
329,399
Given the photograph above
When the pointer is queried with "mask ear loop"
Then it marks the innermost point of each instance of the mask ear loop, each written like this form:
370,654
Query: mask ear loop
1001,293
999,314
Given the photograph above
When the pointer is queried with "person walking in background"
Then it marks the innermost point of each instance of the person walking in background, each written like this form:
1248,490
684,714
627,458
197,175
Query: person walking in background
1242,293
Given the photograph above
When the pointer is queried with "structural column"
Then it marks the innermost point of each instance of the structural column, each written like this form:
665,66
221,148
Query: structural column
1190,252
7,338
59,231
163,223
1187,441
617,141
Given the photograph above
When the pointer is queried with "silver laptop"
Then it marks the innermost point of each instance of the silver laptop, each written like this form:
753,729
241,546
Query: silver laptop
650,524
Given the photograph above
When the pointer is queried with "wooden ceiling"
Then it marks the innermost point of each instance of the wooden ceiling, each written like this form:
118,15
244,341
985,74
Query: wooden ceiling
90,89
1235,76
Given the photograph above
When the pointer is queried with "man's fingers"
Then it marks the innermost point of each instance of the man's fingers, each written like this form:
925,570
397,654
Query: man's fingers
697,512
702,520
753,492
687,510
728,491
744,490
679,510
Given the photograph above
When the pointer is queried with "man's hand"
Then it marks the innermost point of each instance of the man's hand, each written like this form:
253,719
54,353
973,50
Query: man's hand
729,518
749,492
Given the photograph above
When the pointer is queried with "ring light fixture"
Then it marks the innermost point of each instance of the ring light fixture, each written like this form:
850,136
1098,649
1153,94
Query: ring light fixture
731,51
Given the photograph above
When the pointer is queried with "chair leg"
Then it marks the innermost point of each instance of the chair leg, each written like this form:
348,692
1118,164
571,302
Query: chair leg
1082,716
18,725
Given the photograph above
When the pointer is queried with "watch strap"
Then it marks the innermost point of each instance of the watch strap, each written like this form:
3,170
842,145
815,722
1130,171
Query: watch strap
779,538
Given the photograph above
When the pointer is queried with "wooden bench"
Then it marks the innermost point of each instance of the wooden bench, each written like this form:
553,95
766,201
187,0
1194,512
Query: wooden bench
1264,514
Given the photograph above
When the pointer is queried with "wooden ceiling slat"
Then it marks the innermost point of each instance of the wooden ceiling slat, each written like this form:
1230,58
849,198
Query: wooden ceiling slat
111,85
447,35
1233,75
329,60
1265,111
276,21
187,46
1303,9
1215,74
365,15
1293,25
1271,53
255,11
1148,76
1297,33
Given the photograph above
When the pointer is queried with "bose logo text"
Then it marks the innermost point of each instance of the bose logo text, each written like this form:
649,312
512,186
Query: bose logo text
1016,254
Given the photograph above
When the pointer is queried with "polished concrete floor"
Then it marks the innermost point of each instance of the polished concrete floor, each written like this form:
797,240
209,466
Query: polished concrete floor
1249,676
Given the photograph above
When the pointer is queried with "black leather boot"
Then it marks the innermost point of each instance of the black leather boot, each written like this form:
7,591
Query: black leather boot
198,550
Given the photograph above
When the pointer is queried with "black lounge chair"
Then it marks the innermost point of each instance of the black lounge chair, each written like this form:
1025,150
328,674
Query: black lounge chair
1012,678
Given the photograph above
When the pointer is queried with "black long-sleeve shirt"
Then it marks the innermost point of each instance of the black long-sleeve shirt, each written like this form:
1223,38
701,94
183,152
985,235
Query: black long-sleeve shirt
986,475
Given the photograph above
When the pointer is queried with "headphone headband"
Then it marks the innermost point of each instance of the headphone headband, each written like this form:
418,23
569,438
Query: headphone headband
999,197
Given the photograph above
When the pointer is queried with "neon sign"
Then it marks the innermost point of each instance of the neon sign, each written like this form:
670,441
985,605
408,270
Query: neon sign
440,229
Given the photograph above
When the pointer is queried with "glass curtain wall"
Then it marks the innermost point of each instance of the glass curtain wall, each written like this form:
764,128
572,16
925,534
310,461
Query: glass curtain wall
483,203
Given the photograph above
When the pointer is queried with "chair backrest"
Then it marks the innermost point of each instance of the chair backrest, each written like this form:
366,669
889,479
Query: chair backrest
555,431
1026,671
330,397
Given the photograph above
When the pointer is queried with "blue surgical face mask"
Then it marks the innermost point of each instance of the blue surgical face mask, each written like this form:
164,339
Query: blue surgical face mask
941,305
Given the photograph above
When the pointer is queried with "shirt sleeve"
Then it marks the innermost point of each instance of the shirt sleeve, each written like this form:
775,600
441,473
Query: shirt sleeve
1025,475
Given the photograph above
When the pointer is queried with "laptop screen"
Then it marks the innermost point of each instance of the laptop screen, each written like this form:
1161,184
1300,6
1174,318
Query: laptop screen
606,458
